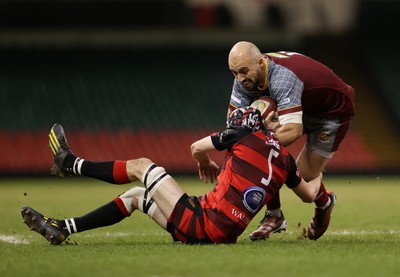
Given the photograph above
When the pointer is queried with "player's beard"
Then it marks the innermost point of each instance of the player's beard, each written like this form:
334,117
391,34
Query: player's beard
250,85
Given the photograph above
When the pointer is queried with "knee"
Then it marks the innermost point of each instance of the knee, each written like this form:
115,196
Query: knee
136,167
310,164
308,198
140,162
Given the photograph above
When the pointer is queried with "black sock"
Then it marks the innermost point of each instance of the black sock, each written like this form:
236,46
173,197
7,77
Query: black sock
69,161
106,215
100,170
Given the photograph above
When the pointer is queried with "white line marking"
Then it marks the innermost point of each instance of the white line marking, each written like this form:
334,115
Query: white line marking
13,239
347,232
21,240
336,233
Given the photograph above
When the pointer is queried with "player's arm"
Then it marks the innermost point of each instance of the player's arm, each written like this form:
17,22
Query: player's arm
290,111
231,108
306,191
207,167
289,133
218,141
290,129
201,148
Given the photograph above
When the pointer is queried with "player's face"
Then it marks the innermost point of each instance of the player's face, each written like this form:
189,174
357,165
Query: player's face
247,74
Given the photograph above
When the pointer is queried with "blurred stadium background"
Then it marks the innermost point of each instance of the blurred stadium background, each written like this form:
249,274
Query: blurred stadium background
148,77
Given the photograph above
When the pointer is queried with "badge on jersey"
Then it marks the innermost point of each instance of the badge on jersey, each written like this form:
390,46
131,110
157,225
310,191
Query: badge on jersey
253,198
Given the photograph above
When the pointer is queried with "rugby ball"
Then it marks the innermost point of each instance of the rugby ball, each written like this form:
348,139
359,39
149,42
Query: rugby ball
265,105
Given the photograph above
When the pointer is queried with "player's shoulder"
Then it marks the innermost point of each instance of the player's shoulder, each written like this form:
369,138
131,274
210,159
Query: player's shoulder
235,134
237,131
229,137
285,55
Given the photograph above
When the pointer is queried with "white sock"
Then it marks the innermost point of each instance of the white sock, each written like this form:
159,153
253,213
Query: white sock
71,226
77,166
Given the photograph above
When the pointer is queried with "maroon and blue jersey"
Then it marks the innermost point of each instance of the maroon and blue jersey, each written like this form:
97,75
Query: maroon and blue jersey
300,83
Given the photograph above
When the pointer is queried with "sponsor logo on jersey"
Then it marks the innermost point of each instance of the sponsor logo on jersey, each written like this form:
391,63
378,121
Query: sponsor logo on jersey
284,101
253,198
241,216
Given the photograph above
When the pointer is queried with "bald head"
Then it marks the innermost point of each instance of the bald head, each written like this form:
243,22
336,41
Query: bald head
247,64
244,52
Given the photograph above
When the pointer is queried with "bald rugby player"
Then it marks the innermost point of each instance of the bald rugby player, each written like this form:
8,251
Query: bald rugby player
311,100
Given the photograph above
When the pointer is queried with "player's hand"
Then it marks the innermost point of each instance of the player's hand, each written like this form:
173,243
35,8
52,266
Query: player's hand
208,171
272,121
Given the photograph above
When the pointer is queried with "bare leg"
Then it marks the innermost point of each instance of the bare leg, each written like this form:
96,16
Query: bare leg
310,165
167,193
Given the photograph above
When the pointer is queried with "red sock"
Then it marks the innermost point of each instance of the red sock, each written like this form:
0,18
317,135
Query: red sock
113,172
121,206
119,173
322,196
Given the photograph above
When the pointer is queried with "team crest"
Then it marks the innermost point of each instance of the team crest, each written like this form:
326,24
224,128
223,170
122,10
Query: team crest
191,202
324,136
253,198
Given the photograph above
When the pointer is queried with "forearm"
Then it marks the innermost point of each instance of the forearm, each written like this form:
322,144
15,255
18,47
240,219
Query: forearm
307,191
289,133
230,110
201,157
200,150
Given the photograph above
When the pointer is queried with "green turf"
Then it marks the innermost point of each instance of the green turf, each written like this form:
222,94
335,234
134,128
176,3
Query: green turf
363,239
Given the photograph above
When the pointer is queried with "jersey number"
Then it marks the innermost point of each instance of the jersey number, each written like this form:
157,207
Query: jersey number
275,154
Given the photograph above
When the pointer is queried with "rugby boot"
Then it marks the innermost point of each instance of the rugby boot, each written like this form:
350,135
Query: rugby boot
60,149
321,219
269,224
49,228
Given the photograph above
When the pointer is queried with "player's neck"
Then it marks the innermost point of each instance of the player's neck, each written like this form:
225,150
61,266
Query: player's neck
265,79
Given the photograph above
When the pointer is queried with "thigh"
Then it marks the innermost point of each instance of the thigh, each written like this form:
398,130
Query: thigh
158,216
164,189
325,135
167,196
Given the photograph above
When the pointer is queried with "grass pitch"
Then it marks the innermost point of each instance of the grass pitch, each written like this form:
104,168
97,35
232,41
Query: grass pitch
363,238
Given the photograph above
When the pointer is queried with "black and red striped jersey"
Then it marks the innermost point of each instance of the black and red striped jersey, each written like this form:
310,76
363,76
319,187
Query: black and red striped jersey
255,168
